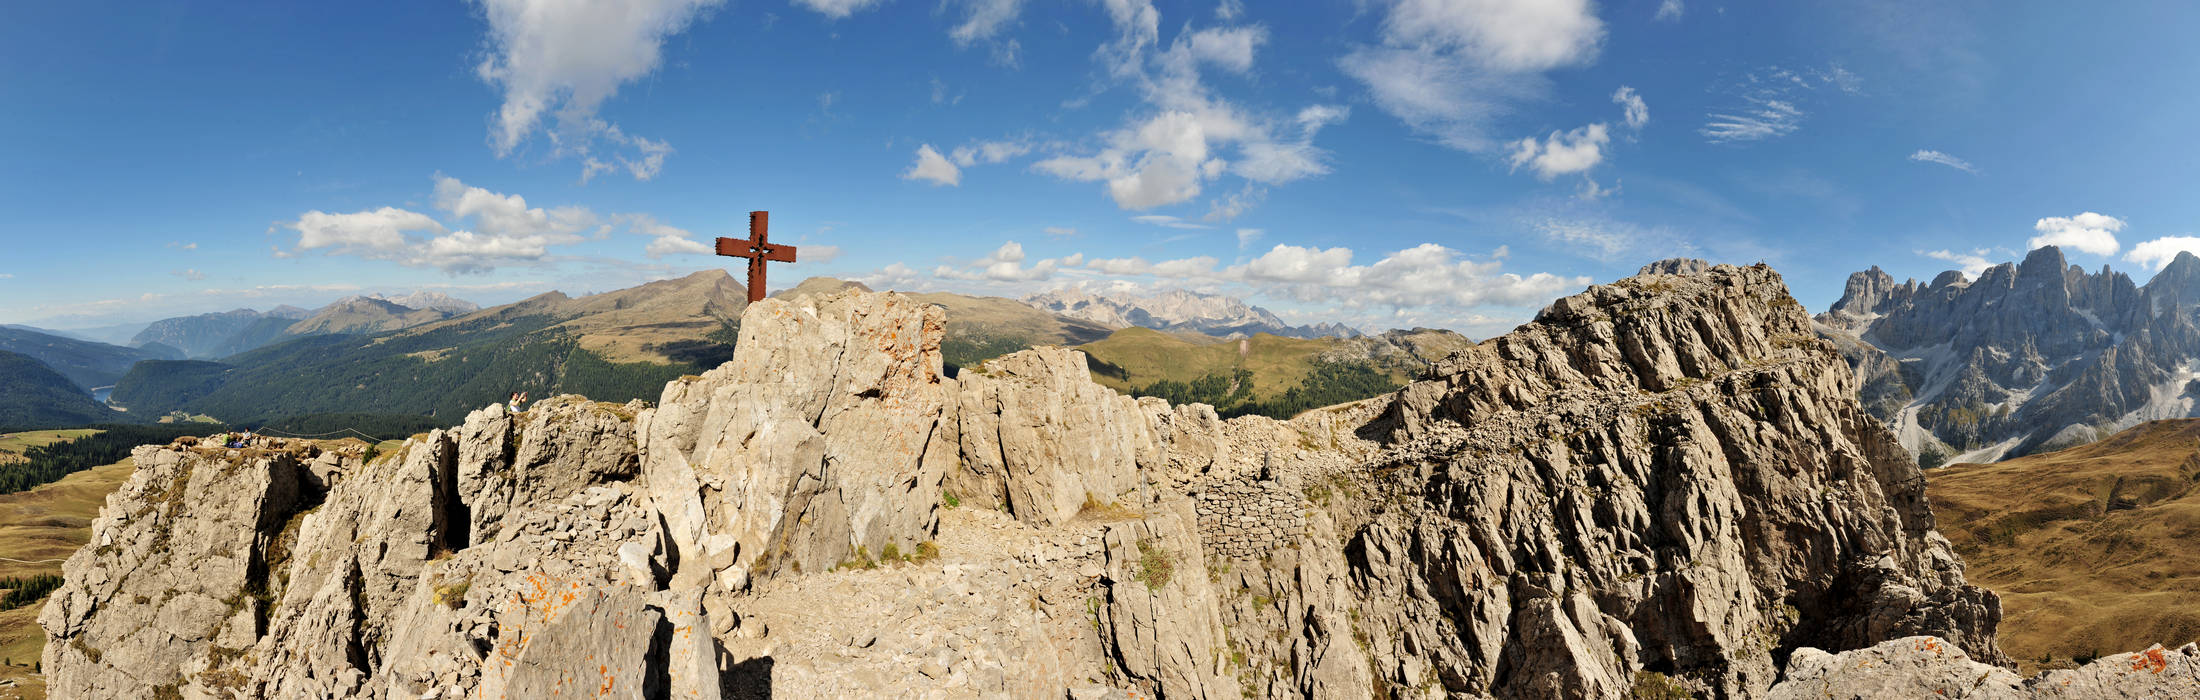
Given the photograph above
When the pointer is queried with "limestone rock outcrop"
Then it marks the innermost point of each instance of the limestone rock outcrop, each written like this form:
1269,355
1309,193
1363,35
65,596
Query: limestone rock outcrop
827,435
1921,667
1662,478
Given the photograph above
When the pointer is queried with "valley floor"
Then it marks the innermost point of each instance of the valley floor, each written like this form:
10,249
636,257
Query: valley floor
2090,548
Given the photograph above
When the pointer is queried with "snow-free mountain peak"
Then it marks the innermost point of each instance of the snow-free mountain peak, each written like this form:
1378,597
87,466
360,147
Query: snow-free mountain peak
1178,310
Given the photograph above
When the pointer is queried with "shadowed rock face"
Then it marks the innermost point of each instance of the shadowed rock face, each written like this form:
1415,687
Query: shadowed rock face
1666,474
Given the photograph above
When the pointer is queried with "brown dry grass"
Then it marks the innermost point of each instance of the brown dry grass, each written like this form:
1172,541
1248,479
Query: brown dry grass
15,444
2094,550
43,524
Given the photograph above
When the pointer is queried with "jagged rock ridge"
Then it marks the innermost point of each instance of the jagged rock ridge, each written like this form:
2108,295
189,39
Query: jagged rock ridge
1666,475
2028,357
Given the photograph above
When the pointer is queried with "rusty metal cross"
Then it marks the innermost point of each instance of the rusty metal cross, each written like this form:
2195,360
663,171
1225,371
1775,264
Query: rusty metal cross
758,250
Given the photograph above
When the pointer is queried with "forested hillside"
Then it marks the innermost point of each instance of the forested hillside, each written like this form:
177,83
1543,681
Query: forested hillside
33,395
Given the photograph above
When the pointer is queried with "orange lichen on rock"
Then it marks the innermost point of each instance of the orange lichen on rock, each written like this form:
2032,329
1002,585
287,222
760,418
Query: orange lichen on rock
2151,659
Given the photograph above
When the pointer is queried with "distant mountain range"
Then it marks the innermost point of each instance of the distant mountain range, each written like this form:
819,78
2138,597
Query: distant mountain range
216,335
88,364
625,344
1179,310
2029,357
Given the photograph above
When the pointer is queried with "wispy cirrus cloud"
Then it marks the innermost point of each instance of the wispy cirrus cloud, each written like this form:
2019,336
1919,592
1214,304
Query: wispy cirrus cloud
1769,103
1931,156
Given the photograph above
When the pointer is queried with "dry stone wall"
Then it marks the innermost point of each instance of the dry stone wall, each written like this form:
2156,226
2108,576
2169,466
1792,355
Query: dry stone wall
1243,519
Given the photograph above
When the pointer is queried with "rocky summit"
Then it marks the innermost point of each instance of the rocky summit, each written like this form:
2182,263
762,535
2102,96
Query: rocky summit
1661,487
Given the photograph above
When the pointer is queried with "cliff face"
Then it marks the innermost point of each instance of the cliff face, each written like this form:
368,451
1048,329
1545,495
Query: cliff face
2029,357
1664,480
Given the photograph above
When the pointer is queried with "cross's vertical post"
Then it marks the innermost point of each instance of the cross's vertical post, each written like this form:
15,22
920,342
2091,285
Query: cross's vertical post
758,248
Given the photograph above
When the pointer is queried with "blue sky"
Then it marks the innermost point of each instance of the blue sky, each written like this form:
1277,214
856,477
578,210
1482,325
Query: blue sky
1453,163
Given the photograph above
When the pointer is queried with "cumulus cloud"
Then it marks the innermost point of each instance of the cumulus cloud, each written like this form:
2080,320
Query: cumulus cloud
480,230
509,215
1930,156
382,229
1633,109
1562,153
674,245
1447,68
1972,263
558,61
2158,253
934,168
1005,265
1425,275
2088,232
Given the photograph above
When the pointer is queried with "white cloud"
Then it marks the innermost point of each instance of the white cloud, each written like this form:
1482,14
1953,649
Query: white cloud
1169,221
509,215
1636,111
674,245
1562,153
1188,136
1006,265
1770,103
560,60
836,9
1764,118
1424,275
989,152
1120,266
2088,232
1229,10
378,230
984,18
1246,237
819,254
934,168
1231,48
503,230
1972,263
1504,35
1236,203
2157,253
1059,231
1448,68
1929,156
466,251
1604,239
1669,10
179,245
